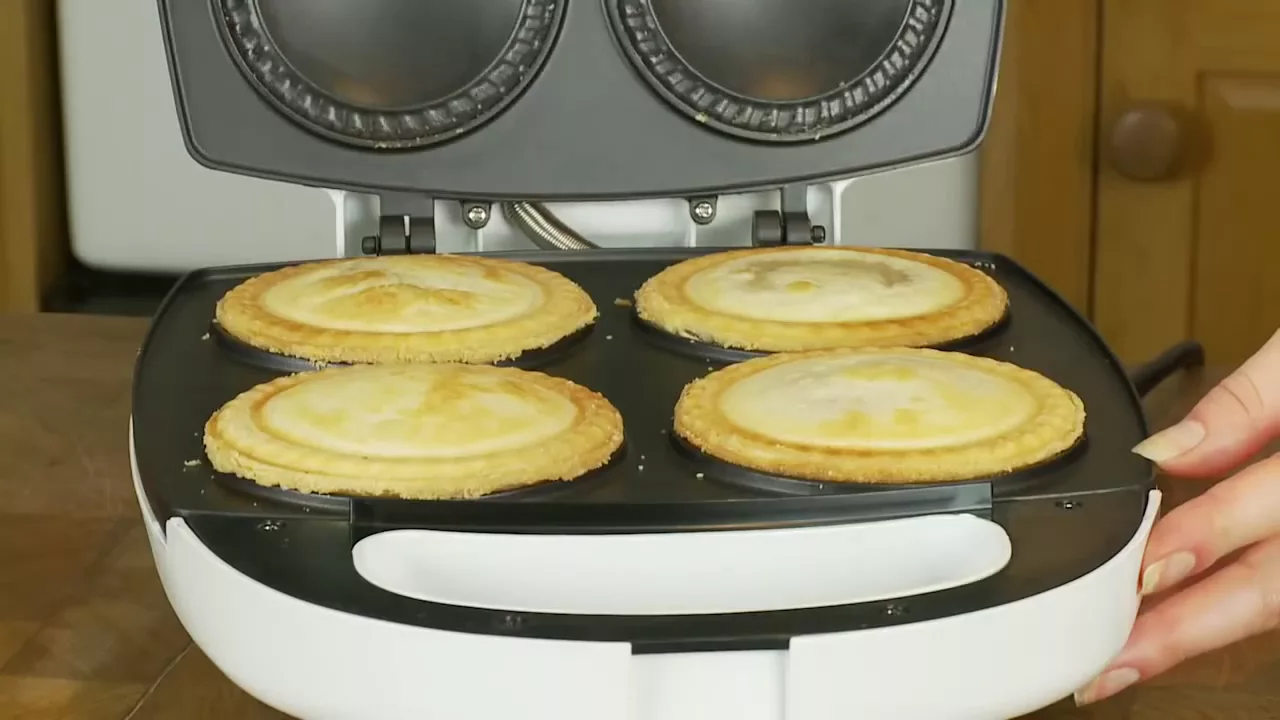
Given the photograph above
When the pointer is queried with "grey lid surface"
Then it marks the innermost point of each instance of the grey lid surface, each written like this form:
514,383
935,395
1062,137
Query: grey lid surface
578,99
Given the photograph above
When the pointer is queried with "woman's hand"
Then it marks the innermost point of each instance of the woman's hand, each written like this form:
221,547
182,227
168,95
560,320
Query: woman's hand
1214,563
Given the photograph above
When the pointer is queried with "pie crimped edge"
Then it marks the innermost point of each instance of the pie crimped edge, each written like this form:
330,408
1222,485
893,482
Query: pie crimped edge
1056,427
566,309
662,301
237,441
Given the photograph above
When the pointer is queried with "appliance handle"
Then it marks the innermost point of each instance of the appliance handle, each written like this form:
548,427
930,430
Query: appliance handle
686,573
1148,376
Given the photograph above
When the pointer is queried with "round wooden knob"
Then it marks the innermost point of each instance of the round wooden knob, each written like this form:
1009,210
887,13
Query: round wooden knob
1148,143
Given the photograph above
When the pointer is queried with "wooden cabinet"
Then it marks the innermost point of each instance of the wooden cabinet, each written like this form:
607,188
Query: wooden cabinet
1134,161
1037,161
1192,248
33,244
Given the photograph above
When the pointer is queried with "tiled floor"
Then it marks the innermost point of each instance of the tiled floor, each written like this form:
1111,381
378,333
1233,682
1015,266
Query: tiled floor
85,629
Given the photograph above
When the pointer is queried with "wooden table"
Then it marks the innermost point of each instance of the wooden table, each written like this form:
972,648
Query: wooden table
87,634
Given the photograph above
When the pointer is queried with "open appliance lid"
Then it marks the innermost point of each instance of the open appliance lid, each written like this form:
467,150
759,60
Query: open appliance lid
578,99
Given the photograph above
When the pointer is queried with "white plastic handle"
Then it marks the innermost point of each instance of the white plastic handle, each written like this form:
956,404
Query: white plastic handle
686,573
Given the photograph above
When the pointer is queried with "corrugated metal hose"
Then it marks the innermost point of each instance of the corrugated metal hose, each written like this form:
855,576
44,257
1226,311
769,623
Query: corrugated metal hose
542,227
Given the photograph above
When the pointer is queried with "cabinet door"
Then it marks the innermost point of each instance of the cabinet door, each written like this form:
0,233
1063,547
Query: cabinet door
1037,169
1188,204
32,227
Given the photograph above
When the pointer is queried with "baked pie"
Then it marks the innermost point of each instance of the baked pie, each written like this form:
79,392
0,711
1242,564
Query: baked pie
430,431
789,299
406,308
879,415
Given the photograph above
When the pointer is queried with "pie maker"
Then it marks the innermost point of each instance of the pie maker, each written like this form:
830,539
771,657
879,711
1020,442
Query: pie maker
666,585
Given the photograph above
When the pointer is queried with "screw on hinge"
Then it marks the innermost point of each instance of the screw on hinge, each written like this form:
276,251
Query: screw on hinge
818,234
475,215
702,211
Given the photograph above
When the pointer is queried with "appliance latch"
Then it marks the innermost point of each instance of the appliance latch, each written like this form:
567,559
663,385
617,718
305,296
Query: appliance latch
789,226
407,226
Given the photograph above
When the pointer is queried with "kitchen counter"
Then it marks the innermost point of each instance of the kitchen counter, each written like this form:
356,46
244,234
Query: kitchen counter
87,634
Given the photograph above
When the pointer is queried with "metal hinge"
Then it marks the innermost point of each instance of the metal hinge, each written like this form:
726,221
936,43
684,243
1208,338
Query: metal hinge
790,225
407,226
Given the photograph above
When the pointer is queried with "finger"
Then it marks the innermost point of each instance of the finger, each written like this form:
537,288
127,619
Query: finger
1234,421
1239,601
1232,515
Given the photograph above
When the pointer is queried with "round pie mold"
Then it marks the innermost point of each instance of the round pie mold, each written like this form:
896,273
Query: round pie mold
383,94
721,355
733,92
546,490
527,360
714,469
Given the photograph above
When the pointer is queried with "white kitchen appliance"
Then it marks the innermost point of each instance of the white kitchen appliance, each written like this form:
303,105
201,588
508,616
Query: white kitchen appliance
668,586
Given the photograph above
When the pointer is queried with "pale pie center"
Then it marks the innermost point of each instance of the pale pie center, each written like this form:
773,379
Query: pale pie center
824,285
423,296
877,403
424,411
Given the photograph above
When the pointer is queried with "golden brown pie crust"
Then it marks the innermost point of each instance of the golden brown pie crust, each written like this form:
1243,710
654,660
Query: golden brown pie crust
923,300
407,308
879,415
413,431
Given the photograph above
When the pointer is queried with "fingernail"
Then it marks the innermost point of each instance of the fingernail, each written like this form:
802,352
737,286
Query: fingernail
1106,685
1167,572
1171,442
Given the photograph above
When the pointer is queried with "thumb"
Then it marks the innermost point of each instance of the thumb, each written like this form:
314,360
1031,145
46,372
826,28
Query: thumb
1232,423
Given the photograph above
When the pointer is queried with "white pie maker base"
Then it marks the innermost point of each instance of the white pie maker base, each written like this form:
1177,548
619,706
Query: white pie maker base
315,663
